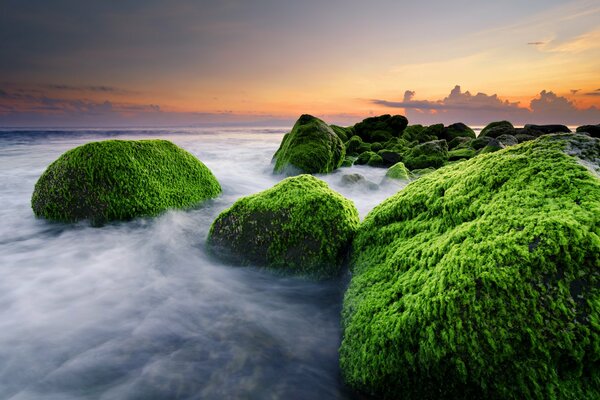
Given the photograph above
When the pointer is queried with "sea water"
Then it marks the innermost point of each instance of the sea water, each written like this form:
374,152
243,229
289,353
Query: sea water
138,310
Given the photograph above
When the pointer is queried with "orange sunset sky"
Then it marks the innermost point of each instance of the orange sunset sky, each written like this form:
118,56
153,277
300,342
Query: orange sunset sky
194,63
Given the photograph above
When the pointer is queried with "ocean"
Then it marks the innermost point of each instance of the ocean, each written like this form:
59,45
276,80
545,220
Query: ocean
138,309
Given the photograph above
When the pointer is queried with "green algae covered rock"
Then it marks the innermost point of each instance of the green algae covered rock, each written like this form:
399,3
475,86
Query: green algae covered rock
429,154
398,171
299,226
482,280
311,147
497,128
120,180
380,128
457,130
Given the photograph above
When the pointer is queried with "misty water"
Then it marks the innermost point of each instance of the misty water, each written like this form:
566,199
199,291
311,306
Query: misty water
138,310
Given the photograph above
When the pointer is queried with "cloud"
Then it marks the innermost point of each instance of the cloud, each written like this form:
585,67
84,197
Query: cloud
31,108
86,88
536,43
481,109
579,44
574,91
594,93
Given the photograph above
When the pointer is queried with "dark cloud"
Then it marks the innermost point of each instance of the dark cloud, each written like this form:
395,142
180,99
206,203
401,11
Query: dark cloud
574,91
87,88
535,43
481,109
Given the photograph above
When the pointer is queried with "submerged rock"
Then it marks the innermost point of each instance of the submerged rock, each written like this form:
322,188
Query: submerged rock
481,280
120,180
311,147
299,226
358,180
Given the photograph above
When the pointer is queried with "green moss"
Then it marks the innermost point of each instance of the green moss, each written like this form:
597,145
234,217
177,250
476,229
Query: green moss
364,158
375,161
430,154
375,147
481,280
495,129
300,226
120,180
398,171
352,145
381,128
461,154
343,133
457,130
311,147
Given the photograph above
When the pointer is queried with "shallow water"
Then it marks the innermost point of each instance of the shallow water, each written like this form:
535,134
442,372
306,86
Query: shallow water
137,310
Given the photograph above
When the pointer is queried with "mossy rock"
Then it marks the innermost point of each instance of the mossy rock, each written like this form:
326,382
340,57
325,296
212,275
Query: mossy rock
398,171
380,128
523,137
299,226
461,154
430,154
364,157
353,145
457,130
495,129
375,147
459,141
375,161
121,179
592,130
357,180
390,157
481,280
348,161
480,142
492,146
311,147
547,129
343,133
507,140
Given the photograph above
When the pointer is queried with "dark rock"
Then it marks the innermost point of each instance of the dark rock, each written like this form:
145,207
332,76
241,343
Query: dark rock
430,154
546,129
495,129
593,130
507,140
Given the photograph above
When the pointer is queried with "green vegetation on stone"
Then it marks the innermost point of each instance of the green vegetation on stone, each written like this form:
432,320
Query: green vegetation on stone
430,154
120,180
299,226
481,280
311,147
398,171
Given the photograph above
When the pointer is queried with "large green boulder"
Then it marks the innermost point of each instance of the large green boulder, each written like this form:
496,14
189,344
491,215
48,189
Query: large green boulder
482,280
429,154
299,226
311,147
380,128
497,128
398,171
457,130
120,180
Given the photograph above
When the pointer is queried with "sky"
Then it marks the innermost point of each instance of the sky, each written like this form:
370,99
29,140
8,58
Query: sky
199,63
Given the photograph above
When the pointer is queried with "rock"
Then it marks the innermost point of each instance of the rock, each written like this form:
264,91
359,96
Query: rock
398,171
495,129
430,154
492,146
458,141
546,129
381,128
461,154
593,130
481,142
348,161
299,226
364,157
389,157
375,161
343,133
507,140
481,281
352,145
121,179
523,137
311,147
358,180
457,130
375,147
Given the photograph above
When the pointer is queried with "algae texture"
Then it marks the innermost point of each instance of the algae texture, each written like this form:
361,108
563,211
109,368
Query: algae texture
398,171
120,180
299,226
311,147
481,280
